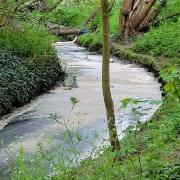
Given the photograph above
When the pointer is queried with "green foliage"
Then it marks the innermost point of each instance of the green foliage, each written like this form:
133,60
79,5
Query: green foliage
73,13
91,40
28,63
36,169
150,153
172,77
23,79
171,8
27,41
94,40
164,40
74,101
69,16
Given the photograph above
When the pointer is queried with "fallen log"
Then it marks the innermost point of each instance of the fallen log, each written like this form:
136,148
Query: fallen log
61,32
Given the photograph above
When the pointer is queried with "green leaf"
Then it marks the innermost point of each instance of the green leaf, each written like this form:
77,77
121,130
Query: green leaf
125,102
74,101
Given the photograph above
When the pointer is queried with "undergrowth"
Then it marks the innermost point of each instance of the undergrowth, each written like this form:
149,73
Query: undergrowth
152,151
28,64
164,40
154,155
27,41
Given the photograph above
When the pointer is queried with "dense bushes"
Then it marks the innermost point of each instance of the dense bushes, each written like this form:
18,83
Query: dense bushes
28,65
73,14
21,80
68,16
91,40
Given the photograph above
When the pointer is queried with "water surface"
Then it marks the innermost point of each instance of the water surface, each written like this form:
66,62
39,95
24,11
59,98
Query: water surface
31,123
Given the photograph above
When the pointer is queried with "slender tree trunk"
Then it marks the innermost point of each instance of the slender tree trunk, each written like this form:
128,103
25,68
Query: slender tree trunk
113,136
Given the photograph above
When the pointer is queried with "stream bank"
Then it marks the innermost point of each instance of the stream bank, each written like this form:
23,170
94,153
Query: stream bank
157,141
84,69
22,80
29,65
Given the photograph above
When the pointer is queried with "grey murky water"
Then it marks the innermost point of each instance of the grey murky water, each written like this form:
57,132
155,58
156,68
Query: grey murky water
32,123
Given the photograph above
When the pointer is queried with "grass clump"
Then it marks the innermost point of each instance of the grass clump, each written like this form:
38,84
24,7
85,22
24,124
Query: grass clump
27,41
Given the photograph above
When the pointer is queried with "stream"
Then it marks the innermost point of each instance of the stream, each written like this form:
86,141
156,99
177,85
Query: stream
31,124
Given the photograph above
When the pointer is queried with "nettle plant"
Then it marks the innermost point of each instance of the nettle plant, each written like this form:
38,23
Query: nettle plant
55,160
171,76
70,139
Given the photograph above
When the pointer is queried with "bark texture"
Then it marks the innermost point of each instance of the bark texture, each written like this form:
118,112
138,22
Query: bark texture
136,15
113,136
63,32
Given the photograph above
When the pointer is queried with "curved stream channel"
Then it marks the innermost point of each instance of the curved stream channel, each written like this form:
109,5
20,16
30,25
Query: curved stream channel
31,124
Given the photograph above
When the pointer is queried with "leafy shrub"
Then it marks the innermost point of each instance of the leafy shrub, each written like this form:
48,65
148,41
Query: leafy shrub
164,40
73,14
27,41
171,8
91,40
28,64
23,79
69,16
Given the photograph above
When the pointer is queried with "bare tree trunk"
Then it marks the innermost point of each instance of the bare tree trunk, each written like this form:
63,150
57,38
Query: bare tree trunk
152,15
137,14
125,9
141,13
113,136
